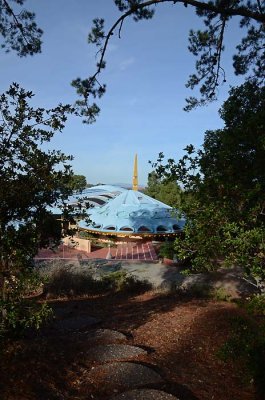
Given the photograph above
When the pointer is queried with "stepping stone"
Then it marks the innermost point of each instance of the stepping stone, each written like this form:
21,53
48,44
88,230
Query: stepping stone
75,323
122,376
106,335
112,352
144,394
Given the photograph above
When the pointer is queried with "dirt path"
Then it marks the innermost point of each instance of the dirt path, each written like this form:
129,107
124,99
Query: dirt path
174,338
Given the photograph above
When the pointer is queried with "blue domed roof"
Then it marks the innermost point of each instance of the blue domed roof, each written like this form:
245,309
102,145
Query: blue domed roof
132,212
95,196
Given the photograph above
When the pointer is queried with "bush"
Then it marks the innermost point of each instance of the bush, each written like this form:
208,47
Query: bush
22,315
247,344
69,281
120,281
246,249
220,294
167,250
19,312
256,305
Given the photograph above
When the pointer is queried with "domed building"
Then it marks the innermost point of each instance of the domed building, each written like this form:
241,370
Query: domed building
132,213
128,213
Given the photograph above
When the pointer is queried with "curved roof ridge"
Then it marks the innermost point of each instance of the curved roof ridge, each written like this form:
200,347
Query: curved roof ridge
130,198
107,188
154,201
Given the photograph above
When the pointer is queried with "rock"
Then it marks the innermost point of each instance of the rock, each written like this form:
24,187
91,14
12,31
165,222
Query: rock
112,352
229,281
75,323
121,376
103,335
144,394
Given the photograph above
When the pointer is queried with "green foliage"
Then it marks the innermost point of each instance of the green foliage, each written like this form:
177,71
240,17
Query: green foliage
166,191
256,305
31,180
87,89
21,316
78,183
167,249
18,310
201,243
121,281
246,346
220,294
68,281
224,184
118,281
246,249
204,289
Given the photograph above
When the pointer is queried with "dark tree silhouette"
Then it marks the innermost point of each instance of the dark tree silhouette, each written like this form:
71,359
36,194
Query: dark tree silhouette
21,34
18,29
206,45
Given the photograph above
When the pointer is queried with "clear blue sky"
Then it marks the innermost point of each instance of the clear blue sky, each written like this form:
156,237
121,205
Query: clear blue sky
142,111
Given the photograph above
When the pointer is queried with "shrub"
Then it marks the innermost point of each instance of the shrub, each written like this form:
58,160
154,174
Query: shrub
246,344
121,281
256,305
21,315
220,294
167,250
69,282
19,312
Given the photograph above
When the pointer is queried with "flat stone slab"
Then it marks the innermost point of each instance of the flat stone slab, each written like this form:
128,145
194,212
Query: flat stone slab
122,376
144,394
112,352
230,280
75,323
103,335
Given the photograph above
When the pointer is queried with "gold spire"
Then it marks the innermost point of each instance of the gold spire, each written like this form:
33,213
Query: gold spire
135,174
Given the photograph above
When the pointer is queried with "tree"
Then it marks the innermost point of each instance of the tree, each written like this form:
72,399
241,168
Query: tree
224,186
166,191
153,183
78,183
31,180
21,34
18,29
206,45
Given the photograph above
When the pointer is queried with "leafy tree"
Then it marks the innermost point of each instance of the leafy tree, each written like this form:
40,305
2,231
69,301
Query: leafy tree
168,192
224,187
153,184
31,180
78,183
167,250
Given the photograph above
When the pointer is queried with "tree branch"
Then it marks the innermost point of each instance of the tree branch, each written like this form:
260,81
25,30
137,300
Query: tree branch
18,24
219,52
211,10
120,28
260,7
225,12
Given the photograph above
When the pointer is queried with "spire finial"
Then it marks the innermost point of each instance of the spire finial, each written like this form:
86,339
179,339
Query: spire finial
135,174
